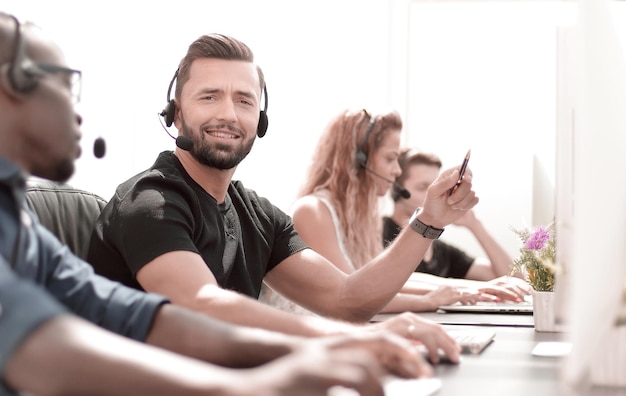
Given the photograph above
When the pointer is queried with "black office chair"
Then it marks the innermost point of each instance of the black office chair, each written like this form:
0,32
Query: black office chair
68,212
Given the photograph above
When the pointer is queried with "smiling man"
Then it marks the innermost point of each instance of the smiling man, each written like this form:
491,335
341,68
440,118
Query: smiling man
66,331
184,229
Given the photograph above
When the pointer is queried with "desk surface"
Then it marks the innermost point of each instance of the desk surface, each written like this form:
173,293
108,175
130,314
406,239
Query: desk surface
474,319
507,366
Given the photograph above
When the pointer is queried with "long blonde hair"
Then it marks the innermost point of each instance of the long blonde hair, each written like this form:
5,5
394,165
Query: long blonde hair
334,167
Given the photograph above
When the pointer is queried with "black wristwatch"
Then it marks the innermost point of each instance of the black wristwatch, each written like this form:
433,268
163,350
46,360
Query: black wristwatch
424,230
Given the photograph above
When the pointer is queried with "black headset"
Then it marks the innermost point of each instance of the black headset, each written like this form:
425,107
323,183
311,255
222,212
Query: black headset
361,155
21,74
169,111
361,161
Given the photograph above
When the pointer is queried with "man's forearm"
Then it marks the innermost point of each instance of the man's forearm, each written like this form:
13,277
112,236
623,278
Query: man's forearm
229,307
200,336
409,303
373,286
69,356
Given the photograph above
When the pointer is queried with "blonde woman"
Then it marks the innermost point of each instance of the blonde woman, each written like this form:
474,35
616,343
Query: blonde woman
337,212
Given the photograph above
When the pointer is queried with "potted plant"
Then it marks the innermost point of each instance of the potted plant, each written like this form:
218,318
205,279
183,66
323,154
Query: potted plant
537,261
537,257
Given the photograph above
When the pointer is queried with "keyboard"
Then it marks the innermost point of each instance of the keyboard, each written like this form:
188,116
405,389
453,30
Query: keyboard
472,341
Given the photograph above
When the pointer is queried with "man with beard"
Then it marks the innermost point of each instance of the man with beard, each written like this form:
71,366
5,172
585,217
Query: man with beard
66,331
183,228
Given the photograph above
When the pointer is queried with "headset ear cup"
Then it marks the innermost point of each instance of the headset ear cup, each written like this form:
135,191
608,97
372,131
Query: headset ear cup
361,158
169,112
20,80
261,128
361,155
7,84
21,71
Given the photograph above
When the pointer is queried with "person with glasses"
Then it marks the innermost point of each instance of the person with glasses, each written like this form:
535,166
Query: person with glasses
34,71
65,330
185,229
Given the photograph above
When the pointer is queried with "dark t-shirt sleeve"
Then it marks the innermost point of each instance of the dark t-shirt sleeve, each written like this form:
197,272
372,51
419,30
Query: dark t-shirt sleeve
151,223
285,240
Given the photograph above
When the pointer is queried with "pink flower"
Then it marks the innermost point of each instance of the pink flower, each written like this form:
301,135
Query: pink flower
537,239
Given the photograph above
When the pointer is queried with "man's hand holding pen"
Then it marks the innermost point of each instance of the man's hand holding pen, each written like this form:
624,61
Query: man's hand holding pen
450,196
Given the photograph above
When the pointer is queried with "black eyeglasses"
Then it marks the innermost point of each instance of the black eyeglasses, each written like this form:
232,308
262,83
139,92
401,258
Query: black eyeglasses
73,80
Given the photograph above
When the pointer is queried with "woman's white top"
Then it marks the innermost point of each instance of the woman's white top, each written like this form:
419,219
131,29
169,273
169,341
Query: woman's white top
275,299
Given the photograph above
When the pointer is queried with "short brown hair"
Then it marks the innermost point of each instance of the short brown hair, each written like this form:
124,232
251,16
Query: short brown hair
410,157
216,46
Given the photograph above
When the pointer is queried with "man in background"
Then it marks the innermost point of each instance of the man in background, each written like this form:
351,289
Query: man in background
444,264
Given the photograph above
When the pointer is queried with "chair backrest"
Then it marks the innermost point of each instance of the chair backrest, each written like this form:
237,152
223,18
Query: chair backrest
68,212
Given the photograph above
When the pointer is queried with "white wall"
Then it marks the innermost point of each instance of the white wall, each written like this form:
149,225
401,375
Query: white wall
459,73
482,76
318,58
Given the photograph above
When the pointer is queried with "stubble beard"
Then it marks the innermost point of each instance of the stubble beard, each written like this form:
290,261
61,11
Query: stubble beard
59,173
219,156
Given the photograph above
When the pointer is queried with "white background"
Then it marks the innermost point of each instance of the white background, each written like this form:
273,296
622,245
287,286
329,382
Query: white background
468,74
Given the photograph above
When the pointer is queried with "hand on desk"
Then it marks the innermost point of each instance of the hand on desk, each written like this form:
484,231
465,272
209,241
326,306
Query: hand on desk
445,295
359,363
421,332
507,288
398,355
504,288
347,367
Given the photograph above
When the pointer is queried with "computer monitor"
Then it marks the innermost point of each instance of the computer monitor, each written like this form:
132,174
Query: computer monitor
591,186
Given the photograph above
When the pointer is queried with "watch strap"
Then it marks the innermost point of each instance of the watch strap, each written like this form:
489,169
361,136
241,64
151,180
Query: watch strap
424,230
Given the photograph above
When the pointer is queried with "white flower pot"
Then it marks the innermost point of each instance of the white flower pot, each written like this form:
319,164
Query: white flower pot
544,312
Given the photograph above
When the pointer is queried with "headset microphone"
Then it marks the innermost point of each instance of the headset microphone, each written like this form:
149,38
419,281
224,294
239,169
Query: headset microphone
403,192
184,143
99,147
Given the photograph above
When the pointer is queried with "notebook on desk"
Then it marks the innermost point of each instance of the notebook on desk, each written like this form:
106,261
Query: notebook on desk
524,307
